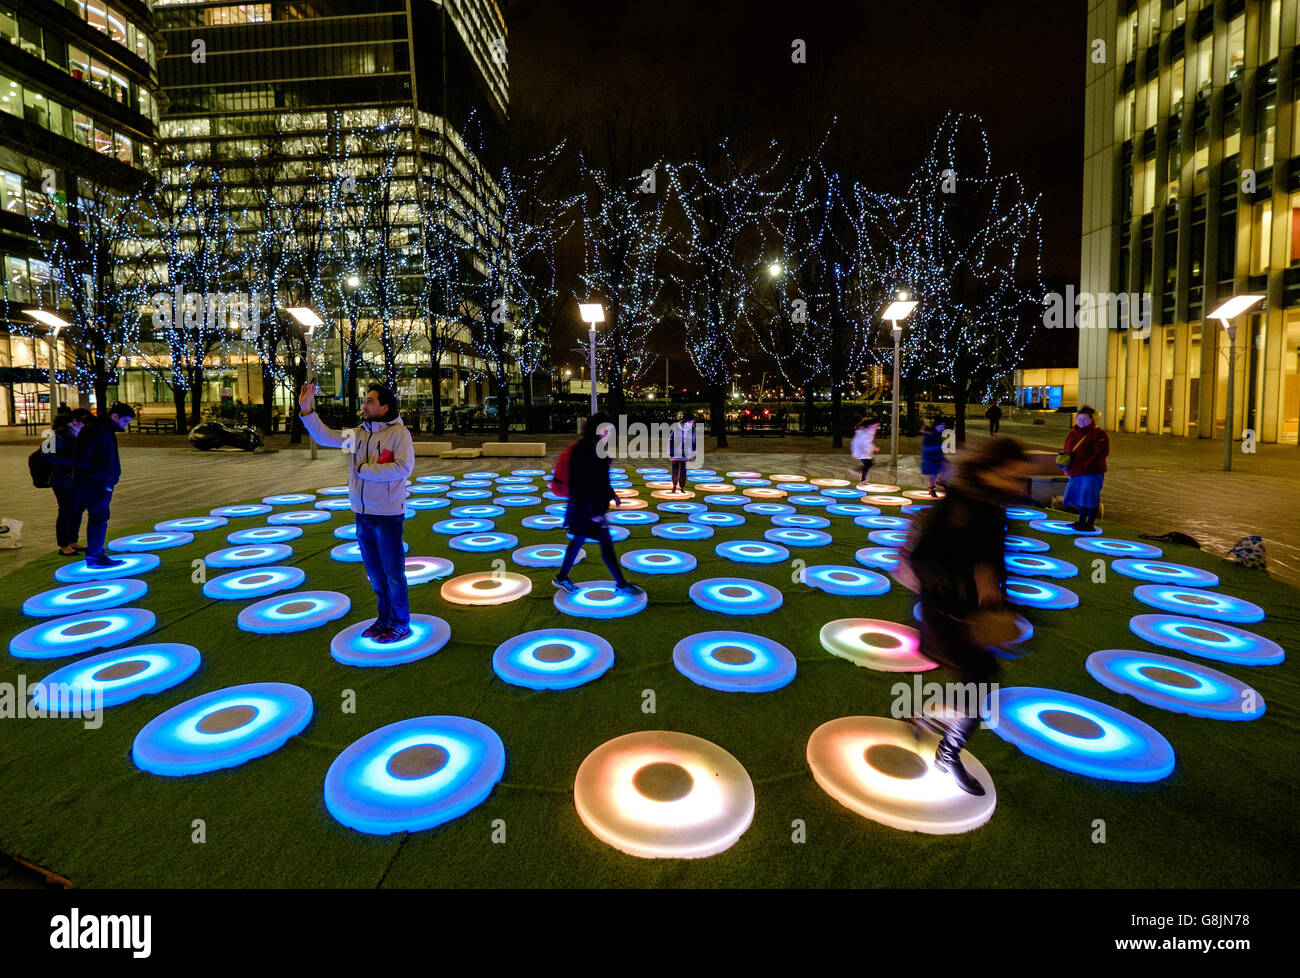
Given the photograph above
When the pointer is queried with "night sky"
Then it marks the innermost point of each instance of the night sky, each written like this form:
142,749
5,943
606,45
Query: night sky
670,75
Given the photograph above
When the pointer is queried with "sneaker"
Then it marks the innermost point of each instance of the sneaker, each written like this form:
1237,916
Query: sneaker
394,634
374,630
67,553
627,587
566,584
102,562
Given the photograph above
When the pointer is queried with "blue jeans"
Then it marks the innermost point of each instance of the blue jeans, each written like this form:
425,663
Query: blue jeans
96,503
380,540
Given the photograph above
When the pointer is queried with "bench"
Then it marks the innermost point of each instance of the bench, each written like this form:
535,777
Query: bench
461,453
1043,488
430,448
514,449
156,426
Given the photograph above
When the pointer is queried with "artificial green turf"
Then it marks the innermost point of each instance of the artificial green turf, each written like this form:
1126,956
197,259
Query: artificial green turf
72,801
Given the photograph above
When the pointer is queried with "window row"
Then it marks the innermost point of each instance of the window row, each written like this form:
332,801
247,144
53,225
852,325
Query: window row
24,196
39,109
107,19
28,281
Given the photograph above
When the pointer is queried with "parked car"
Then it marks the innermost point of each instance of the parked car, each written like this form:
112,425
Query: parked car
214,434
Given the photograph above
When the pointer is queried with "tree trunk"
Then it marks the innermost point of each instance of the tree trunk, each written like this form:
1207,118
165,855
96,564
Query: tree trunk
435,367
959,405
503,408
196,393
528,402
101,395
717,413
837,382
178,399
268,402
807,410
837,439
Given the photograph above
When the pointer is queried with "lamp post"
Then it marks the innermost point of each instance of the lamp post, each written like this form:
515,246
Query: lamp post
307,321
894,314
592,313
1225,313
54,324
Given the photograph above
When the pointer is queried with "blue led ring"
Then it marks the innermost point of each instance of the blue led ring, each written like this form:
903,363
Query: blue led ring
735,596
847,581
241,510
656,561
299,517
1164,572
265,534
258,582
599,599
1199,603
682,531
752,552
456,527
1040,594
885,558
483,542
734,662
150,541
1175,685
1036,565
552,658
544,555
249,555
295,612
350,553
797,538
91,596
1206,639
128,565
716,519
1117,548
81,633
289,499
351,648
1027,545
191,524
117,677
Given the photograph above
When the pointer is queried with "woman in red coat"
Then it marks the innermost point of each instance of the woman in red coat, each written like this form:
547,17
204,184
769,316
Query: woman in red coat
1088,446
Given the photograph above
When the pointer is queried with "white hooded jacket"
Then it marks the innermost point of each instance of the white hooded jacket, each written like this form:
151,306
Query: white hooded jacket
374,488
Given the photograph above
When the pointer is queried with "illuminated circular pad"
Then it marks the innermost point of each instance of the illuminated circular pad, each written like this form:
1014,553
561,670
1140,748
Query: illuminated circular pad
1175,685
1162,572
1027,545
543,522
478,511
799,519
244,509
95,596
874,766
191,524
1209,640
886,558
752,552
422,570
297,517
517,502
80,633
734,662
543,555
848,581
791,537
421,503
289,499
150,541
853,509
331,505
888,538
348,531
1040,594
682,509
734,596
1036,566
1062,527
886,500
769,509
256,583
486,588
873,643
294,612
248,556
459,526
265,534
1192,601
414,774
1117,548
435,478
128,565
659,794
634,518
682,531
428,635
881,522
119,676
1078,734
483,542
552,658
716,519
654,561
1023,513
221,729
599,599
350,553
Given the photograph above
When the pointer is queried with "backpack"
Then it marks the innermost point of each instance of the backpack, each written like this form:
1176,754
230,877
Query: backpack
42,472
1173,536
1250,552
560,476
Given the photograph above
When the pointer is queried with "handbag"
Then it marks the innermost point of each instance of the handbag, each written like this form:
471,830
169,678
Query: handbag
1065,459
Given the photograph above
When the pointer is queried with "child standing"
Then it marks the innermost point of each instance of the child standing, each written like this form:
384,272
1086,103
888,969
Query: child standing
863,446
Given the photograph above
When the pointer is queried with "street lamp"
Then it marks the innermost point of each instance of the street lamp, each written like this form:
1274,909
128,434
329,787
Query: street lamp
307,321
592,313
775,269
1226,312
894,314
55,324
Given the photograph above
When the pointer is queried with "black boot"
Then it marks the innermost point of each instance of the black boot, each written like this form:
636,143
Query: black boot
948,756
1091,521
1081,523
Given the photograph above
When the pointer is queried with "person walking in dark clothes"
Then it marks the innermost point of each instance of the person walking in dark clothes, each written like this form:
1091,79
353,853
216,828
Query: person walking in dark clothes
589,497
97,469
958,563
681,449
994,414
67,524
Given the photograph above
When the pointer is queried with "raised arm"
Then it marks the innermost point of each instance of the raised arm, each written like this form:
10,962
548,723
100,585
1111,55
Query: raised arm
320,432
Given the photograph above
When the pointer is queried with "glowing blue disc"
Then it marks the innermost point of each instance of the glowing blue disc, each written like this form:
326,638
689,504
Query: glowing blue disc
735,596
422,503
117,677
652,471
807,522
619,484
853,509
1027,545
885,558
796,487
1078,734
128,565
552,658
544,555
150,541
1117,548
682,531
1206,639
734,662
682,509
264,534
479,511
481,475
428,635
546,522
333,491
716,519
469,494
752,552
296,612
810,499
524,488
769,509
1021,513
249,555
550,495
222,729
528,473
350,553
915,508
1035,565
1163,572
81,633
797,538
93,596
422,570
653,561
329,505
617,533
702,474
472,483
599,599
483,542
888,538
191,524
636,517
1201,604
1040,594
454,528
414,774
427,490
1062,527
557,509
435,478
289,499
518,501
722,499
838,493
848,581
751,483
243,509
298,517
256,583
881,522
1175,685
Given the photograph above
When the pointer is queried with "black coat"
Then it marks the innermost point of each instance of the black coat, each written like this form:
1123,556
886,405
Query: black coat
62,469
95,457
589,490
959,533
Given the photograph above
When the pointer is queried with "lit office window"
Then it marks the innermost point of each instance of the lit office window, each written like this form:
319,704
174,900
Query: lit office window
97,15
11,96
1269,27
1265,133
1204,65
1261,237
1236,48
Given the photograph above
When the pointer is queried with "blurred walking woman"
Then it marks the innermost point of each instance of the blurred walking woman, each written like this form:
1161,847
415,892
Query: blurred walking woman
1084,460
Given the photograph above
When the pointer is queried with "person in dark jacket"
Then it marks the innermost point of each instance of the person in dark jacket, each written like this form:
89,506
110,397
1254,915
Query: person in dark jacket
98,469
67,524
589,497
681,449
958,561
994,414
1089,447
932,460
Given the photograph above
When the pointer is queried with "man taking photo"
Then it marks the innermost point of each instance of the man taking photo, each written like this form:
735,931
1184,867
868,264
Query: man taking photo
96,470
381,460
